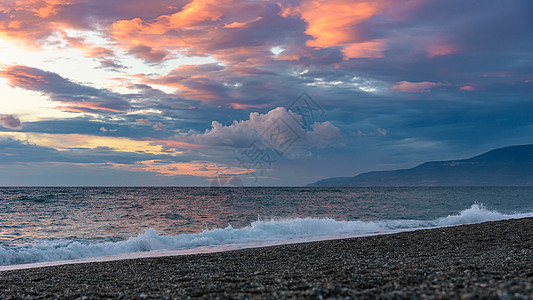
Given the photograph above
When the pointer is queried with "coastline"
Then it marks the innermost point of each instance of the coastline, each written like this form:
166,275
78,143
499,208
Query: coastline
491,259
194,251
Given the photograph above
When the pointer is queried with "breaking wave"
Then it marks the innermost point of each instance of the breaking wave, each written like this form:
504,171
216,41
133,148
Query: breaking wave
258,231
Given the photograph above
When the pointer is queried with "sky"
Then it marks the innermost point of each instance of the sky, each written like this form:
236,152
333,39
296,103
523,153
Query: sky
256,92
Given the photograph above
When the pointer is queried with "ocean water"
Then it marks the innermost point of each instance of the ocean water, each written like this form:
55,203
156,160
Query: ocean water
53,224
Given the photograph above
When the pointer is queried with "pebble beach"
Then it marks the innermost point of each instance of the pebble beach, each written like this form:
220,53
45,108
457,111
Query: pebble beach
487,260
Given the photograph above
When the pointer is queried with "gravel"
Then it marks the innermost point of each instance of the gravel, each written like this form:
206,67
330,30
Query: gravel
488,260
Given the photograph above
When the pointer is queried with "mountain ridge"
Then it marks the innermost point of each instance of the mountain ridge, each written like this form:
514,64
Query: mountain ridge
507,166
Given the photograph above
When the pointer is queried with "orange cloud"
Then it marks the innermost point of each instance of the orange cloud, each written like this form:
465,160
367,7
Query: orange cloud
331,22
194,26
372,49
19,77
205,27
50,7
87,49
197,12
242,24
334,23
30,22
71,109
236,105
81,107
467,88
193,168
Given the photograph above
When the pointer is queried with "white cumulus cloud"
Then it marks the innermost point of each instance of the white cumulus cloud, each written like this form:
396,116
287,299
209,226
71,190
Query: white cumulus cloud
279,124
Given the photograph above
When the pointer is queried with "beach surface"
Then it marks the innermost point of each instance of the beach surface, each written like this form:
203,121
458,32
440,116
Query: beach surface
493,259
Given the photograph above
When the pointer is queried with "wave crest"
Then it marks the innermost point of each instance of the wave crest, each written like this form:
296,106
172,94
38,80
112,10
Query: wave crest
258,231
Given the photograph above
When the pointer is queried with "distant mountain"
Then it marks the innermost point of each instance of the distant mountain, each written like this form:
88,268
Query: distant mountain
509,166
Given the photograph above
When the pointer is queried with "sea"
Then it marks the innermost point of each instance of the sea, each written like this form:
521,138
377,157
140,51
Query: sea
58,224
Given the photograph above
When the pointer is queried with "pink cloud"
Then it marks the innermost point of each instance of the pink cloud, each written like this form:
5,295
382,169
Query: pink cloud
467,88
103,129
143,122
439,50
371,49
242,24
414,87
199,82
11,122
237,105
158,126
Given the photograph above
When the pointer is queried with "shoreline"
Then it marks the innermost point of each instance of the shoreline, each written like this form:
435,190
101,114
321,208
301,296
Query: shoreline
491,259
199,250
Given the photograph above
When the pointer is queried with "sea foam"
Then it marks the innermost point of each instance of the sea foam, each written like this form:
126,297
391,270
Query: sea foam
258,231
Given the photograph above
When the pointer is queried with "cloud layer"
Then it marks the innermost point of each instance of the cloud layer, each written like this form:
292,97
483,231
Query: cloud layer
180,88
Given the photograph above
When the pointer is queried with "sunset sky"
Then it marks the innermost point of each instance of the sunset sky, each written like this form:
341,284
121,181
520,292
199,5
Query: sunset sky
136,92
